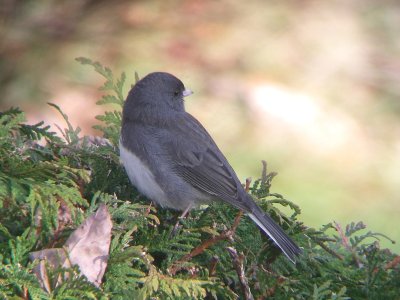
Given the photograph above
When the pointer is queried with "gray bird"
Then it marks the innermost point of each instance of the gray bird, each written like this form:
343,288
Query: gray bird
172,160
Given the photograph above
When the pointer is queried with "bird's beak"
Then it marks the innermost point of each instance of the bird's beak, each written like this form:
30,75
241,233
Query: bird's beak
187,92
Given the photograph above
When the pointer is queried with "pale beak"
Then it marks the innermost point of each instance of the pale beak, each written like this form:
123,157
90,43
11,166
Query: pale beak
187,93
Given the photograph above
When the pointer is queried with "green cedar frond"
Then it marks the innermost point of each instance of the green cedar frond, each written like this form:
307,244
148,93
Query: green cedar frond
113,119
70,134
47,190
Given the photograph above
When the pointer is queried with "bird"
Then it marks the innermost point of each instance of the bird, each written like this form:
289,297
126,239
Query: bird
172,160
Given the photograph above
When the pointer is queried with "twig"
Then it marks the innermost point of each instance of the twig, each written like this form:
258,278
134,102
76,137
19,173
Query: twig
344,239
236,222
327,249
177,265
238,265
148,210
213,266
279,281
346,244
392,264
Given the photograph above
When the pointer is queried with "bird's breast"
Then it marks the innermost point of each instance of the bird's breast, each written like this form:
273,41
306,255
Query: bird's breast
141,176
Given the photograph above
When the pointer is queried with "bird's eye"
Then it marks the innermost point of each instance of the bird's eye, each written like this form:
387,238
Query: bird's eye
176,93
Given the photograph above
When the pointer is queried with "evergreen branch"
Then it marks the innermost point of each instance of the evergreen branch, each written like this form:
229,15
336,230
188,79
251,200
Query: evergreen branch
346,244
70,134
225,235
46,190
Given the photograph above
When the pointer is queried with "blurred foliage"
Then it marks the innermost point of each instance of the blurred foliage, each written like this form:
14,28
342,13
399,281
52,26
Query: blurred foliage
41,36
149,256
344,55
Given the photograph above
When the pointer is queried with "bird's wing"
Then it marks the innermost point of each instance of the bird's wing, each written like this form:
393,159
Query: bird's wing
199,162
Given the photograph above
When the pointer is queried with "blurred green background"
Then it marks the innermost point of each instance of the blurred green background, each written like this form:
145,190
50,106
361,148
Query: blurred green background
312,87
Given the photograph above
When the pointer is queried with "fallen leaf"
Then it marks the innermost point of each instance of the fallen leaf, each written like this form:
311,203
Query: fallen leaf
89,244
87,247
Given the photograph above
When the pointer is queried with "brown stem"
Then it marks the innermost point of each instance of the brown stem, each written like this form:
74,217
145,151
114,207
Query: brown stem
177,265
247,185
237,261
344,239
327,249
392,264
346,244
213,266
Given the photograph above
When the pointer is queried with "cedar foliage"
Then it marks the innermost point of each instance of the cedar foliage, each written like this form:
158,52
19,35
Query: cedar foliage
149,258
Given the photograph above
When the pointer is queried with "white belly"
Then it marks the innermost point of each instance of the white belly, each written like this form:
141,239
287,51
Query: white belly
141,177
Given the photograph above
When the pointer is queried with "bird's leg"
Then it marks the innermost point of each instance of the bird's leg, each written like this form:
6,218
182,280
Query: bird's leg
182,216
185,212
148,210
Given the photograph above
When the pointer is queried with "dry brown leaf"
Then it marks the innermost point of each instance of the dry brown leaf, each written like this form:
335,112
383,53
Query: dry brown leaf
87,247
49,258
89,244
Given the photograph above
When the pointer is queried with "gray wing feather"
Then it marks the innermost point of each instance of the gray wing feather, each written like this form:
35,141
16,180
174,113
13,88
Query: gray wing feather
198,160
213,178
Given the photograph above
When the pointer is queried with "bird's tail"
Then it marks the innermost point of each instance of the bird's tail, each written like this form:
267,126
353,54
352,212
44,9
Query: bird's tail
275,232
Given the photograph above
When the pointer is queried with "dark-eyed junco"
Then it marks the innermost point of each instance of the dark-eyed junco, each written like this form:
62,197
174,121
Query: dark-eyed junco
172,159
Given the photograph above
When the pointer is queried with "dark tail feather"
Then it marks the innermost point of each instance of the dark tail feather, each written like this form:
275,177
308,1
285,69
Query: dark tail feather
276,233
